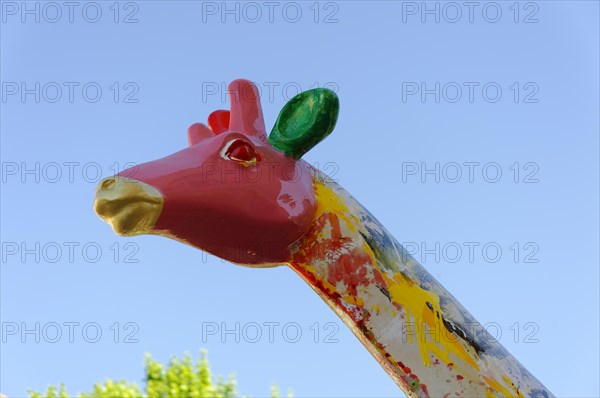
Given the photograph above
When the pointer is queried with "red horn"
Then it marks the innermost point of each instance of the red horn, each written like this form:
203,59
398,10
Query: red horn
246,112
218,121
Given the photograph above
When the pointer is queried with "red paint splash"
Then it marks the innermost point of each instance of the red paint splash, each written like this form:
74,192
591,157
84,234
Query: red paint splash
344,259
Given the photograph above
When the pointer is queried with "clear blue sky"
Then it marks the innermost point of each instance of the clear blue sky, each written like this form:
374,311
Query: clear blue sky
167,70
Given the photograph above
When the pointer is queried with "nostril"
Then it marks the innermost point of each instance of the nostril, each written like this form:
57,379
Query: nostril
108,183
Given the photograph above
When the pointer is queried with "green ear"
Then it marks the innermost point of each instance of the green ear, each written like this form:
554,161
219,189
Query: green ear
304,121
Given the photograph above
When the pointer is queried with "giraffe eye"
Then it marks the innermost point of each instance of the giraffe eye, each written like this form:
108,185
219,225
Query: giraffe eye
240,151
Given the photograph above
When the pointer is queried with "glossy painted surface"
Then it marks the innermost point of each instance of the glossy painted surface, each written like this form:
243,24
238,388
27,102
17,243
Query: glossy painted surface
421,335
235,195
313,110
229,193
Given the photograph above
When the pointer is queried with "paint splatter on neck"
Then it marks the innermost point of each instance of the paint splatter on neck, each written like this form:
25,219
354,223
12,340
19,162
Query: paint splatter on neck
411,325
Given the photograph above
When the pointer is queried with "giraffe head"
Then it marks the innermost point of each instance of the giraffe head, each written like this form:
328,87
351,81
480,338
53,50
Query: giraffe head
232,192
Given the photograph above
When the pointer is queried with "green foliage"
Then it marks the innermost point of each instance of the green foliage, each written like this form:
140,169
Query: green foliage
180,378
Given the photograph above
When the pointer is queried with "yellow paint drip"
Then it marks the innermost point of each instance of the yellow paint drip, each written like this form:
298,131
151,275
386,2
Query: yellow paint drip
414,299
500,388
508,381
329,201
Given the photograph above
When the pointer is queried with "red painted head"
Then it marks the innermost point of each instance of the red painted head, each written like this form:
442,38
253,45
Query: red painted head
232,192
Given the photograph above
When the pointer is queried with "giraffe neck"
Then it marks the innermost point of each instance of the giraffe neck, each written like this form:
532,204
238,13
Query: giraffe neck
418,332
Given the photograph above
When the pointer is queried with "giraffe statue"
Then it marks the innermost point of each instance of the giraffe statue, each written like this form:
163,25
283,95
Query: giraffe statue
252,200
